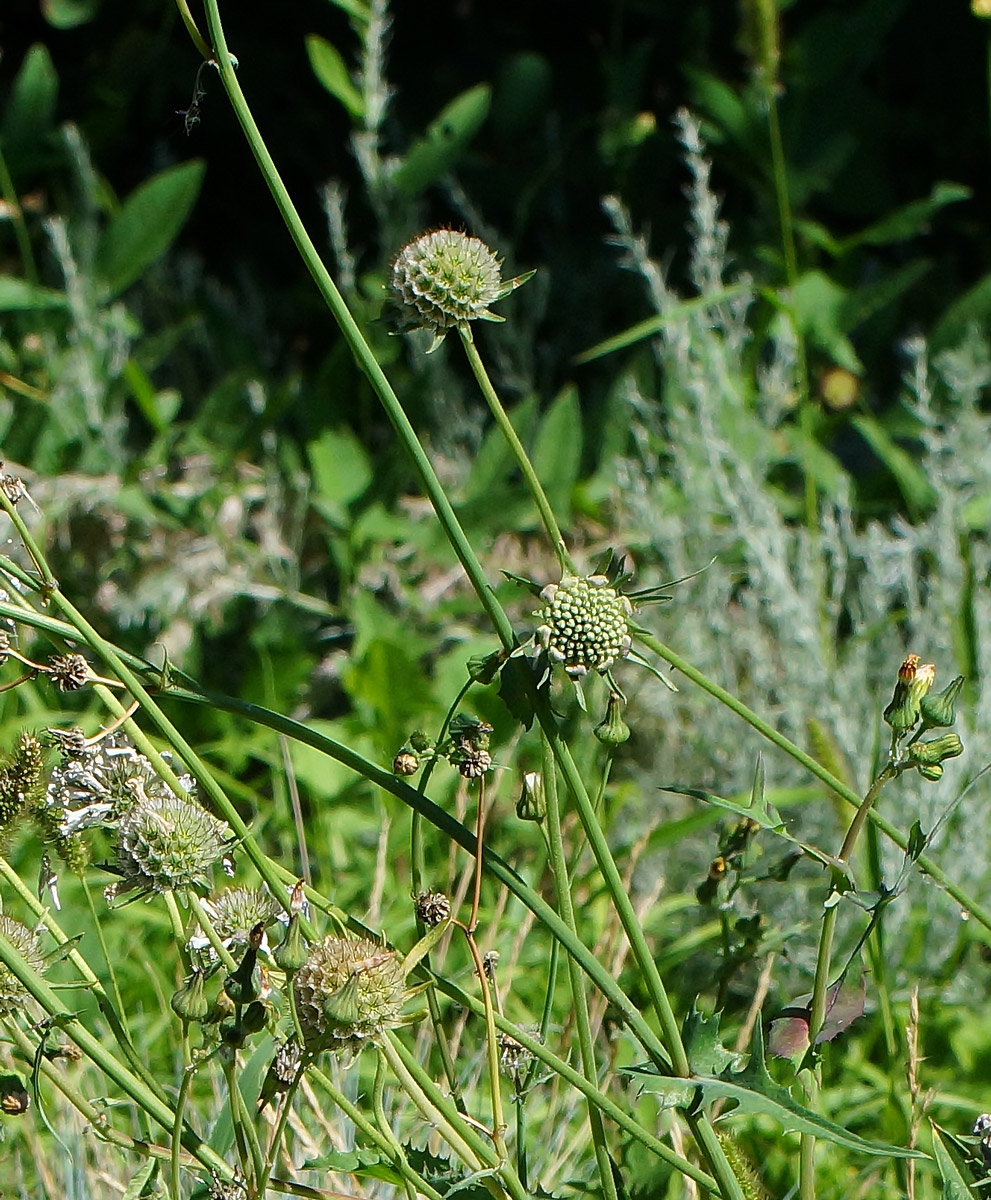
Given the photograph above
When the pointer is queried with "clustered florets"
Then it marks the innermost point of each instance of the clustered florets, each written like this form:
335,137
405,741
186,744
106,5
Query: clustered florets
446,279
165,843
348,990
584,625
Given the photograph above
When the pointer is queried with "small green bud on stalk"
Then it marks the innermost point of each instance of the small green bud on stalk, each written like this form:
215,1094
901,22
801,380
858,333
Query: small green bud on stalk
936,751
244,985
937,710
292,951
613,731
255,1017
190,1003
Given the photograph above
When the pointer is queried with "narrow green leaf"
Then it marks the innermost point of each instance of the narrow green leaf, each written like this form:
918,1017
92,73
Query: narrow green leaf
30,109
331,71
446,137
955,1186
767,817
146,225
913,485
17,295
909,220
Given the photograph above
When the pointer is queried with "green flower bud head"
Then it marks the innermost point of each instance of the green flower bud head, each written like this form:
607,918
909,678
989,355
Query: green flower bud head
613,730
933,772
937,710
912,684
347,991
585,624
935,751
166,844
13,993
446,279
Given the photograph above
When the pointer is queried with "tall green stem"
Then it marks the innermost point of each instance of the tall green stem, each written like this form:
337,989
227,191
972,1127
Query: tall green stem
562,887
519,453
820,986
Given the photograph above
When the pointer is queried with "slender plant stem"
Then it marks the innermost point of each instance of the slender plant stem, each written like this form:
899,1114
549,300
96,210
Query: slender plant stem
110,1012
370,1131
820,986
473,1158
142,1095
491,1047
522,459
562,886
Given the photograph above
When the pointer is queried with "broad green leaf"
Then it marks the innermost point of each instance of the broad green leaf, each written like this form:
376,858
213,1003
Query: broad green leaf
557,450
364,1163
249,1081
755,1092
916,489
17,295
30,108
331,70
955,1186
146,225
341,472
446,136
817,306
706,1053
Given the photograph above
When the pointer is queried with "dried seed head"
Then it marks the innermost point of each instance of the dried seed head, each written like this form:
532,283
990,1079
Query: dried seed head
406,762
13,993
585,624
432,908
166,844
348,990
69,672
446,278
472,763
14,1098
515,1059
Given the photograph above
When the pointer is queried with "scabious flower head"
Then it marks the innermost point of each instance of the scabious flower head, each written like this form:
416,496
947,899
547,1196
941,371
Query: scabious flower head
165,843
584,624
446,279
13,993
237,910
348,990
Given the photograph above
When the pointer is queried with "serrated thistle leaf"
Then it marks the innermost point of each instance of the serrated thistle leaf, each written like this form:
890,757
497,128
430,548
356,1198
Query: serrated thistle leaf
755,1092
706,1053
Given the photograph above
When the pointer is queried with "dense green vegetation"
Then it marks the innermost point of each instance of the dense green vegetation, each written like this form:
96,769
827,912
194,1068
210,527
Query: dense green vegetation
747,382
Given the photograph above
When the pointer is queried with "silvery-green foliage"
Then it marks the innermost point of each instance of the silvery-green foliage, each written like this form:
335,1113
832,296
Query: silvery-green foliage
801,622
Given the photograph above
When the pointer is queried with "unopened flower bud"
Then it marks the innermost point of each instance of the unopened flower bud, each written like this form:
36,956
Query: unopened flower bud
613,730
913,683
245,984
292,951
255,1016
532,804
937,710
933,771
935,751
189,1003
